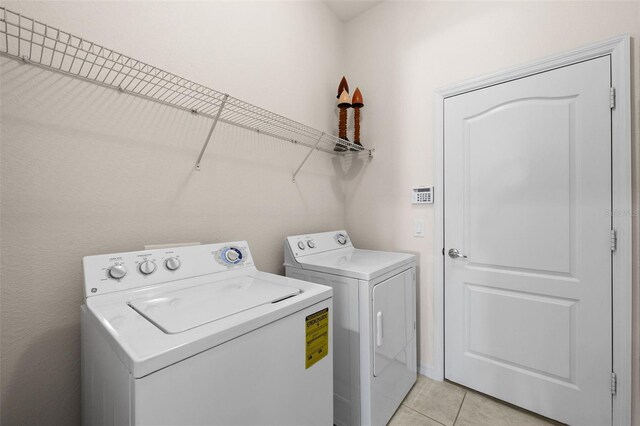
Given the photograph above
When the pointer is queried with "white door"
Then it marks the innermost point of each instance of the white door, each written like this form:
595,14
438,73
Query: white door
527,187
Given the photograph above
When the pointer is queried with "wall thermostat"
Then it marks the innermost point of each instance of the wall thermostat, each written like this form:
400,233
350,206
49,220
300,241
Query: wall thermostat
422,195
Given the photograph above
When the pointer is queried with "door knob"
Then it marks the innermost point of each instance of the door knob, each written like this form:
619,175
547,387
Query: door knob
454,254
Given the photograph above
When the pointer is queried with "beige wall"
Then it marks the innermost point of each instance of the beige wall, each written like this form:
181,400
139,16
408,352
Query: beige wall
399,53
87,170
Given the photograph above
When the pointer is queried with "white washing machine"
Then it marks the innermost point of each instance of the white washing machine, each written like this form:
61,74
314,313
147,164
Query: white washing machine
197,336
374,323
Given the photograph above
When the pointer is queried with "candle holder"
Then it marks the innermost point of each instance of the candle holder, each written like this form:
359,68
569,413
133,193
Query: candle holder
356,103
344,103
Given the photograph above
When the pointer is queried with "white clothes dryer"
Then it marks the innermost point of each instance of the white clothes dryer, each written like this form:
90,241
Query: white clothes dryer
374,333
197,336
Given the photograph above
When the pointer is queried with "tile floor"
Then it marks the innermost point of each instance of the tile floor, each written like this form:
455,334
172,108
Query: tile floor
432,403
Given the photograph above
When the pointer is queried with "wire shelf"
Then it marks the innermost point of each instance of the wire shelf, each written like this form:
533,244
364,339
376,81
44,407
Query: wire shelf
40,44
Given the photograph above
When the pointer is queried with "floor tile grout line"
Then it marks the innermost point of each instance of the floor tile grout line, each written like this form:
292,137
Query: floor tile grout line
424,415
502,406
460,408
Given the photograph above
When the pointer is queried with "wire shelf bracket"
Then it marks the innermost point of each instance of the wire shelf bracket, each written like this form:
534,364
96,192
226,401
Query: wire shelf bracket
41,45
213,127
293,179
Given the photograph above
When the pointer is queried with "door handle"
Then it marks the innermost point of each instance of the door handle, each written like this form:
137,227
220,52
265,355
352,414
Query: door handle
455,254
379,329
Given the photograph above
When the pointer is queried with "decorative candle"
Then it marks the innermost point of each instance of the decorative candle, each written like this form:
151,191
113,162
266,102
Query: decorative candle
342,87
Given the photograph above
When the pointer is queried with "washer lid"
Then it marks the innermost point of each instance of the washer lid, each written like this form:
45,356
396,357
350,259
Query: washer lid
144,347
181,310
356,263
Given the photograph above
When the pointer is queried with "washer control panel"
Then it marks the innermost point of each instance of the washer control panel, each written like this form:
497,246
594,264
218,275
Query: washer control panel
303,245
124,271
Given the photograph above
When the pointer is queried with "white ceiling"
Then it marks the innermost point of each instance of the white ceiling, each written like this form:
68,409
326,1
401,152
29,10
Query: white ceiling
349,9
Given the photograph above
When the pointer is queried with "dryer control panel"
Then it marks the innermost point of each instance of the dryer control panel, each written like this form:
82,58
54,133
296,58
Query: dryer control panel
304,245
125,271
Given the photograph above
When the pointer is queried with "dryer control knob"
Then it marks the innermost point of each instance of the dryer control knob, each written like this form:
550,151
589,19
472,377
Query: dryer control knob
342,239
301,245
172,263
311,244
147,267
117,271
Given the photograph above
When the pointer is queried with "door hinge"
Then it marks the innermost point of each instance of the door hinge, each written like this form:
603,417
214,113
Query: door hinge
614,383
612,97
614,240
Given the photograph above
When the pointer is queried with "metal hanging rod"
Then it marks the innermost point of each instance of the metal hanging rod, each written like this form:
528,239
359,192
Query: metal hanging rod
41,45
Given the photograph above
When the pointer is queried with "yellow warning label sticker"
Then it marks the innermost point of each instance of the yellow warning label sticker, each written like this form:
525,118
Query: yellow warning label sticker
317,336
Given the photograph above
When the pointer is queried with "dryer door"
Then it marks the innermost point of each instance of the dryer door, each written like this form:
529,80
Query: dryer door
392,319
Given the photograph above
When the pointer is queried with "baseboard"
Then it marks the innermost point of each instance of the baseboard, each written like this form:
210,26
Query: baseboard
427,370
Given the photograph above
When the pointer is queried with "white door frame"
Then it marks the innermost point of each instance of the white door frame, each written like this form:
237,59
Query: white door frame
619,48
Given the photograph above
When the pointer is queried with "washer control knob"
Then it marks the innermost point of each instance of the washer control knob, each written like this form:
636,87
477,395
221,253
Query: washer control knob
311,244
231,255
117,271
172,263
341,238
301,245
146,267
